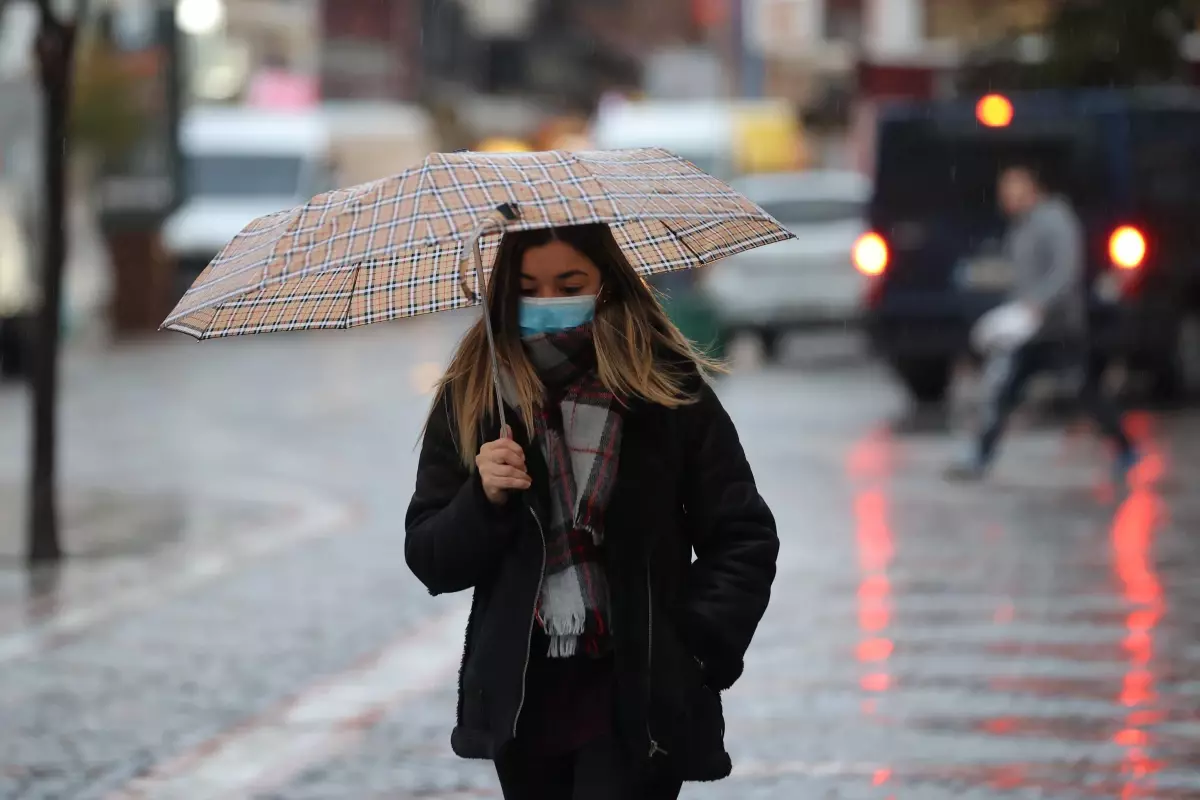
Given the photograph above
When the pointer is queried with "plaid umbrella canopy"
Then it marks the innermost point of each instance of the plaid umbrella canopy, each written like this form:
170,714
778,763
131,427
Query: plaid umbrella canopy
396,247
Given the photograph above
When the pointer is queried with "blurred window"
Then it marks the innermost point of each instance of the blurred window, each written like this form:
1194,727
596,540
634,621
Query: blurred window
844,21
244,175
814,212
982,21
920,172
1166,159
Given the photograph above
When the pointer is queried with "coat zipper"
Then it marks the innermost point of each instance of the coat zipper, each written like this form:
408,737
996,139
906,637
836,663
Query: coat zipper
654,748
532,620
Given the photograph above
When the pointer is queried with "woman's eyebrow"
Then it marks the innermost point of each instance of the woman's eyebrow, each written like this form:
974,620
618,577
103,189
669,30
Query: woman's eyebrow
571,273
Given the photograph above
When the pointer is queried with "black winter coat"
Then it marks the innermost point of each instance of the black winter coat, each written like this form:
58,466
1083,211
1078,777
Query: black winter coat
681,626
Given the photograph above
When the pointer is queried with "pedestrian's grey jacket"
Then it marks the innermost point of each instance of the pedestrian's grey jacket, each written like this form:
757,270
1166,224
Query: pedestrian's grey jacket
1046,249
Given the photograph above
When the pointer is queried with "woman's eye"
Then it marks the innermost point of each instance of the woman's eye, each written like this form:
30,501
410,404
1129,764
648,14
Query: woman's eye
572,289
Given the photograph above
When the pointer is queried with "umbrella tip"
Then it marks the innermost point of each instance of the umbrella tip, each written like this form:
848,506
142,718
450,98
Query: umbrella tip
508,211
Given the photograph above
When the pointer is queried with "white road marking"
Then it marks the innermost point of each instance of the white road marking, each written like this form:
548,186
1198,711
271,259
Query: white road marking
324,720
317,518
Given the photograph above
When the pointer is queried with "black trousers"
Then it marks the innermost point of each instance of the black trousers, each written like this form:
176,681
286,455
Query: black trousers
600,771
14,355
1014,373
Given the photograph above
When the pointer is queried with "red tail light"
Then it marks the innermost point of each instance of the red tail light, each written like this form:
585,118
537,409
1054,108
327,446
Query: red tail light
994,111
1127,247
871,254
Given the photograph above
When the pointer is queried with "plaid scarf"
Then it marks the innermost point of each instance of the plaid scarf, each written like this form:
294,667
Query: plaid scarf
578,426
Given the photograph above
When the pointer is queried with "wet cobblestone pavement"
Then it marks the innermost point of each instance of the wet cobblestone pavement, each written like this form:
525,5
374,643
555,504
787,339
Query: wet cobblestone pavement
1037,636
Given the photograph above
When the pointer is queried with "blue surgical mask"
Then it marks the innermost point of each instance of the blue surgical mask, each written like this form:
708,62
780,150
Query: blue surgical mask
553,314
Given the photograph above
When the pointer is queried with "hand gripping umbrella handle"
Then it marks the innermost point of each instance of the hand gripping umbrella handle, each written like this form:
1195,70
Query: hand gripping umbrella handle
490,222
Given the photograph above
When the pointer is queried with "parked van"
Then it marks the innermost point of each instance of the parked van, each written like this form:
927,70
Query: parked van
240,164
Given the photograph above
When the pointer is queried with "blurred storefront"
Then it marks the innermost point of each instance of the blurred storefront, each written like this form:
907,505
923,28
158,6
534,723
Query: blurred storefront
233,46
975,22
370,50
910,46
138,185
285,34
804,44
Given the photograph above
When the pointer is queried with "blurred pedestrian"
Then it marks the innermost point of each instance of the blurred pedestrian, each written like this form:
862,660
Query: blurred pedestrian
17,291
1045,247
596,648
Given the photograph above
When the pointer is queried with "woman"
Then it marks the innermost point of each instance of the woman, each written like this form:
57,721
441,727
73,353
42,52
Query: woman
596,649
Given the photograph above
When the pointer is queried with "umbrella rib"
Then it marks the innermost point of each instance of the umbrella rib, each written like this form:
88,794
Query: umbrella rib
606,189
682,242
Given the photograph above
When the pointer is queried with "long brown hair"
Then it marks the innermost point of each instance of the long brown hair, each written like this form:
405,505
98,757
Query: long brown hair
640,354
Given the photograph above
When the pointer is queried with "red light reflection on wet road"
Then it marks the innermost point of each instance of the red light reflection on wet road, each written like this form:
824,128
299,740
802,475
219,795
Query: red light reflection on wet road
1132,542
870,467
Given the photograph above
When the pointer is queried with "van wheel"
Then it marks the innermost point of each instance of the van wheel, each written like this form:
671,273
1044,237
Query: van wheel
927,380
771,340
14,354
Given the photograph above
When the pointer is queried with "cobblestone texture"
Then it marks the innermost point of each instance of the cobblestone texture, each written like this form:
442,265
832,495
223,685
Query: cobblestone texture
1036,637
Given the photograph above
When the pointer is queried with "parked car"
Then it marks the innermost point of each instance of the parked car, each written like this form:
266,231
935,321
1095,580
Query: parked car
806,282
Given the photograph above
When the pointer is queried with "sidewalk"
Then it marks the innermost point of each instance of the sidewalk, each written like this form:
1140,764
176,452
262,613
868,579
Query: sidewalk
180,462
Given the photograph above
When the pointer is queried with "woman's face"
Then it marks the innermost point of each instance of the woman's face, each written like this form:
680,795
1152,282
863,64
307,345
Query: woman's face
556,269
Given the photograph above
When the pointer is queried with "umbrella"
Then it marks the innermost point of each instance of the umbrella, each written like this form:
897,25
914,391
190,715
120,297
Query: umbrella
397,247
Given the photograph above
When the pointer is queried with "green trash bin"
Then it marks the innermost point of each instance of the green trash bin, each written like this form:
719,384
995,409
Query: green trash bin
691,310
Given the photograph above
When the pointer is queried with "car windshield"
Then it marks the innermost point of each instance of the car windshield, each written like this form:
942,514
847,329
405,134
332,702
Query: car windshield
1166,160
813,211
240,176
920,173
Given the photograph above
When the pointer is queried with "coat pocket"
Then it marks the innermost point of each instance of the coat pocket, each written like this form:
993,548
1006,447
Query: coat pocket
686,716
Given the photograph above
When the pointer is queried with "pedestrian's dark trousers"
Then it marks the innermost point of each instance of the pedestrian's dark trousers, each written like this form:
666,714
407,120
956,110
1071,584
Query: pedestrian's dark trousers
599,771
13,358
1038,357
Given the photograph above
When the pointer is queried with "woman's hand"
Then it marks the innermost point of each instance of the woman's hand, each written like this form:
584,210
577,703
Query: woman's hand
501,466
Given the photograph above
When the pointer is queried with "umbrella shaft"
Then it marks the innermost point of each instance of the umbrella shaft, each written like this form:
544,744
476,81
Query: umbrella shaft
477,255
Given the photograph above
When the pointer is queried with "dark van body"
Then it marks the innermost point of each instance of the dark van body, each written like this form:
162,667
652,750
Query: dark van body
1127,160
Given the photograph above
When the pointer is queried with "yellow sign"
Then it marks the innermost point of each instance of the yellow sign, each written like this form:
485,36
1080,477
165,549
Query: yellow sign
502,145
768,140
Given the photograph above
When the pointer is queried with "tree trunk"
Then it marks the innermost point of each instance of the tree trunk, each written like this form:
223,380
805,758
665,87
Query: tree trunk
55,50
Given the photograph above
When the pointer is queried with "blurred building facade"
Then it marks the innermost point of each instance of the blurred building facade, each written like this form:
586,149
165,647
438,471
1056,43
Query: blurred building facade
278,32
812,47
